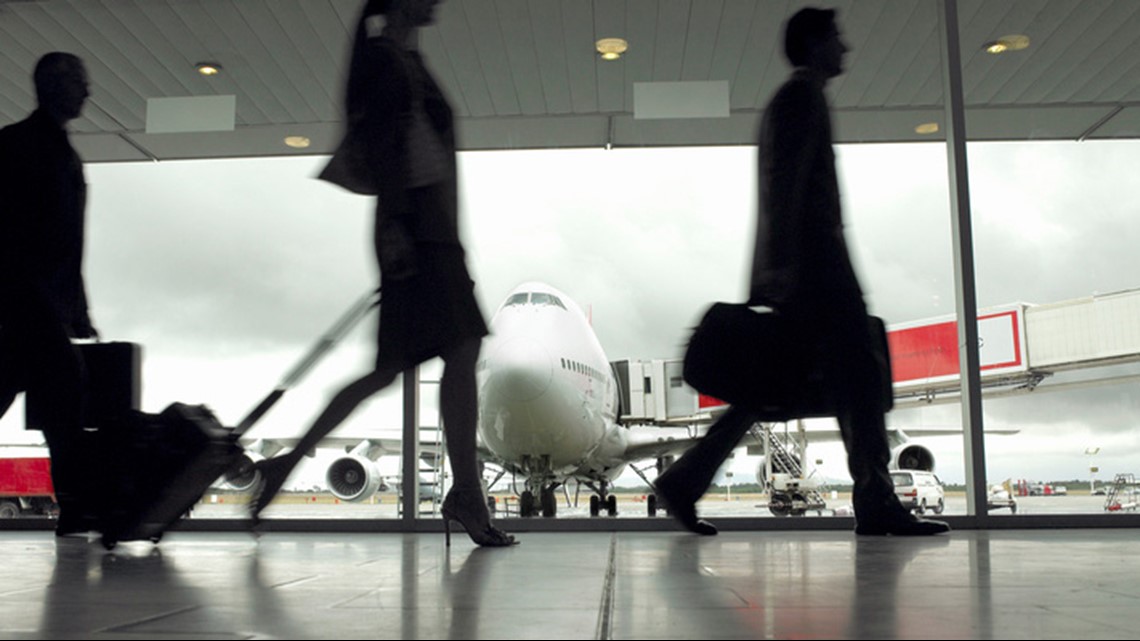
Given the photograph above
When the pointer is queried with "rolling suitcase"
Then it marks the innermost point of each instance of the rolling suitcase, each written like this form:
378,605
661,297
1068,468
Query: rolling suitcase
163,463
166,462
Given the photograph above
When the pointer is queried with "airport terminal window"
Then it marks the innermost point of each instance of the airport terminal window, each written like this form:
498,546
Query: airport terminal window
1054,222
1064,447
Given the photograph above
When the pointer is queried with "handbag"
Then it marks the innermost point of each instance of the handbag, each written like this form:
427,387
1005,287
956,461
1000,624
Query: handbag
349,168
425,154
765,363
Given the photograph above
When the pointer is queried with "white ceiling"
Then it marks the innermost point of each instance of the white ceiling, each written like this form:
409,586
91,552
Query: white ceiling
523,73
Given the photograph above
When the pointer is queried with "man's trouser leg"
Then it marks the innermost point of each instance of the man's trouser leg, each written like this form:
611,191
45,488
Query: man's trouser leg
54,374
858,385
696,469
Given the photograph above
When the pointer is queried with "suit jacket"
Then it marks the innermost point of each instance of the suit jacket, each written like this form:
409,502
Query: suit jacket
42,223
801,263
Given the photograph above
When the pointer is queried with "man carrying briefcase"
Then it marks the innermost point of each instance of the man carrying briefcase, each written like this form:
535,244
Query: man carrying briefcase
802,269
43,300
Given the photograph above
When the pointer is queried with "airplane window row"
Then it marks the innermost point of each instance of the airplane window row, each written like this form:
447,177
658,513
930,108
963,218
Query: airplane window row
575,366
535,298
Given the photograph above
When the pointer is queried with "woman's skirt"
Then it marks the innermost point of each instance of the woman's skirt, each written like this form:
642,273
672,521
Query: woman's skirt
423,316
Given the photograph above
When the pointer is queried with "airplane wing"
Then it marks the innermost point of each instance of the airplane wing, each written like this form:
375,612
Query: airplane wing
638,451
375,446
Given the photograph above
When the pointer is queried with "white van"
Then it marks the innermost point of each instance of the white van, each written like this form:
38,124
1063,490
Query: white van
919,491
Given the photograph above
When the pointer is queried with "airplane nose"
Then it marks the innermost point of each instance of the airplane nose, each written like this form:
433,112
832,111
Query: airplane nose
521,370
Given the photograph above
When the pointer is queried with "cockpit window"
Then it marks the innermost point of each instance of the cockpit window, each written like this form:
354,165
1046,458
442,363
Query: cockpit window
517,299
535,299
546,299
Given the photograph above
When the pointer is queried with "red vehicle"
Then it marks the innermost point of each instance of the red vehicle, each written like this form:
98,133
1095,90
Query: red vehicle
25,483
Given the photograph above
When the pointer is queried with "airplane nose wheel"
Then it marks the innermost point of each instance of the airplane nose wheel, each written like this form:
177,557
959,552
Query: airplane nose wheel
549,502
527,506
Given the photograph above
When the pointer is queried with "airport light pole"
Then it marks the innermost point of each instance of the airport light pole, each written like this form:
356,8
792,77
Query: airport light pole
1091,452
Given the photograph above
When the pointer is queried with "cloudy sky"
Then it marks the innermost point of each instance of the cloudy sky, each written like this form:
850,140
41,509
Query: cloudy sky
227,270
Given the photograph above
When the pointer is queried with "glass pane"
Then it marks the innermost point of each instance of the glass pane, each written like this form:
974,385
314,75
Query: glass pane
1055,233
1055,244
227,288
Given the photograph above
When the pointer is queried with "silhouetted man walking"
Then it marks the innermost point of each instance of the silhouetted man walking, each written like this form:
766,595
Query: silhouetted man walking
802,269
43,302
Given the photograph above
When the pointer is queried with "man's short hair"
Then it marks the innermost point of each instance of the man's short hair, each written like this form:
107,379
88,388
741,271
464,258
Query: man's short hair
377,7
806,25
48,69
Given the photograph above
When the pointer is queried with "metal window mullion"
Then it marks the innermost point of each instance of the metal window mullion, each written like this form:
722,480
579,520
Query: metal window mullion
410,483
964,273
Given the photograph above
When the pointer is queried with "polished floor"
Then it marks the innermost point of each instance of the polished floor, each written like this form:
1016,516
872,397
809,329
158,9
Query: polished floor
1071,584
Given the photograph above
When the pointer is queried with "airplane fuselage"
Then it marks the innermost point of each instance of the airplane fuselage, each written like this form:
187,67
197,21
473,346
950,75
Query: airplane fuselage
547,395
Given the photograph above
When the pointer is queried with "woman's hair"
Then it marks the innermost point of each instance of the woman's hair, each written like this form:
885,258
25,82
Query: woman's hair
360,46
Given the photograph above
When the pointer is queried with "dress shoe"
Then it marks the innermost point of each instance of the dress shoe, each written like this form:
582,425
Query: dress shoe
272,474
81,525
468,508
682,508
900,524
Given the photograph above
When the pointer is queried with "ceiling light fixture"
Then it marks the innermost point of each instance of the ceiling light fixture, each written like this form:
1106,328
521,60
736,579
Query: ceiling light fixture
208,68
926,128
611,48
1013,42
298,142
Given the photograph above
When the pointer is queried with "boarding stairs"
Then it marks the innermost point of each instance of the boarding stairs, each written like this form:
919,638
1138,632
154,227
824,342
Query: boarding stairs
1123,496
431,473
790,492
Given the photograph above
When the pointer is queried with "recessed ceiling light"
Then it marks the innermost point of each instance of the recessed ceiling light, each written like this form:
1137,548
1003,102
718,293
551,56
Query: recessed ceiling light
1013,42
208,68
926,128
611,48
298,142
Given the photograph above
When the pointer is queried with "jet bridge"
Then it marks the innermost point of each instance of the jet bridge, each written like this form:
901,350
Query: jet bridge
1021,346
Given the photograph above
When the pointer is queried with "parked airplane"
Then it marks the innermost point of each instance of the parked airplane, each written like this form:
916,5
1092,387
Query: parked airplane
548,412
549,403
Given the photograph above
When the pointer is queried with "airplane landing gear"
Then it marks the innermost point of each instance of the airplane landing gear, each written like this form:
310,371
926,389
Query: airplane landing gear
602,499
527,506
549,502
545,503
651,505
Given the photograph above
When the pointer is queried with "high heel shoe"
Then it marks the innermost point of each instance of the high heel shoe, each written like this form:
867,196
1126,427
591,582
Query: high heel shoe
272,474
467,508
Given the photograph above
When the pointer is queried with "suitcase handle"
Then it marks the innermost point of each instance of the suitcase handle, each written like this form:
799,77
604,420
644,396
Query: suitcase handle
333,336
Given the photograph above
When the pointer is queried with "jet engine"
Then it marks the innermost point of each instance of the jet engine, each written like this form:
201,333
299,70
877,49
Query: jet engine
353,478
909,456
242,477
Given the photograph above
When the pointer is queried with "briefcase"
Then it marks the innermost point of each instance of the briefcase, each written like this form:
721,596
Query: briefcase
762,361
114,386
